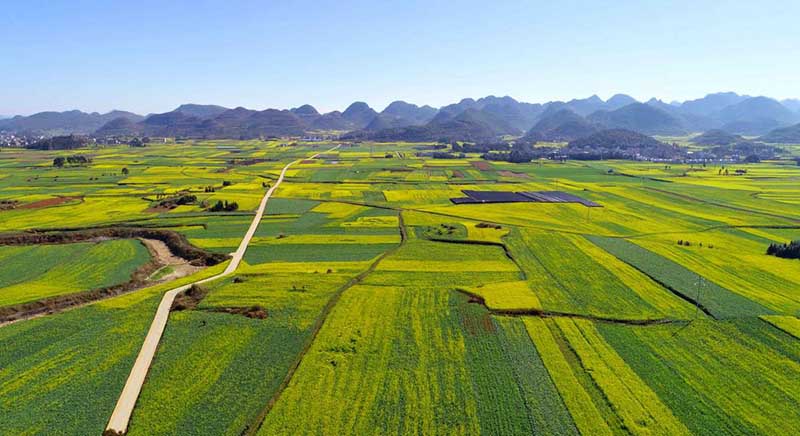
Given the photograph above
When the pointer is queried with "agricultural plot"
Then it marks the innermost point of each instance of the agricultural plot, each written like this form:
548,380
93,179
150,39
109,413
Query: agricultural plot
33,272
716,376
715,300
607,289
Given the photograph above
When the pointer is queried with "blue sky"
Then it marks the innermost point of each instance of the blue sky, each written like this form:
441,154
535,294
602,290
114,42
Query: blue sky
150,56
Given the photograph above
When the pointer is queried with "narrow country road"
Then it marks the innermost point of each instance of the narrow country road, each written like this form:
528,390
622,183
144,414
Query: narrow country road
133,386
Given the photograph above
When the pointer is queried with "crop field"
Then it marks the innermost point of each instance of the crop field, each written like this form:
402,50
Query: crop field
367,302
33,272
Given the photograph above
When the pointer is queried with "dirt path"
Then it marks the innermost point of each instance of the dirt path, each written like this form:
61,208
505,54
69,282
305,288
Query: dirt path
118,424
163,255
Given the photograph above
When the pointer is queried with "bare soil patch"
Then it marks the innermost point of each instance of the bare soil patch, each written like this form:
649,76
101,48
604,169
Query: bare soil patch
164,257
481,165
49,202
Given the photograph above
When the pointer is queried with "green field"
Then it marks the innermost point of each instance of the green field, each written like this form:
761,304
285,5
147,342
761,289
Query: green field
384,308
33,272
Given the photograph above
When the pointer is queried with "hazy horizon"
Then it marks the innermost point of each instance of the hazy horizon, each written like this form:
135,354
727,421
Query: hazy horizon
150,57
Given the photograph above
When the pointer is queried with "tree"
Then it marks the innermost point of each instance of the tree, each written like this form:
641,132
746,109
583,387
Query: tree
59,162
125,171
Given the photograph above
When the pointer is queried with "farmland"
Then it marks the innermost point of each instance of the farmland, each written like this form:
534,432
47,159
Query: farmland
368,302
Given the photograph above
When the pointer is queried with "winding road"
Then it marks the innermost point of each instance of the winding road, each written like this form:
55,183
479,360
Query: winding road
133,386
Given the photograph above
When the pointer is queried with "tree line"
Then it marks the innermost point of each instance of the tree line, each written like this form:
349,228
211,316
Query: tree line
786,251
77,159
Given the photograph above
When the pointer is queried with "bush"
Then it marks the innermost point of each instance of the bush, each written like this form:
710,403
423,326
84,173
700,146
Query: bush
224,206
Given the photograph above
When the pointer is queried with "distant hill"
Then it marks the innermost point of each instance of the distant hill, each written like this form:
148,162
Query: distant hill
63,123
520,116
712,103
201,110
716,137
332,121
785,135
119,127
232,123
658,104
755,116
729,111
560,126
384,121
620,143
618,101
359,114
307,113
585,106
792,104
641,118
410,113
470,125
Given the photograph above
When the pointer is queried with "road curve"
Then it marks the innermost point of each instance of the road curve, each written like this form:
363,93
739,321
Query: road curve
133,386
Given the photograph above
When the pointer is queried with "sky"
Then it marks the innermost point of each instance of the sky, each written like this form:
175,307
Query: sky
151,56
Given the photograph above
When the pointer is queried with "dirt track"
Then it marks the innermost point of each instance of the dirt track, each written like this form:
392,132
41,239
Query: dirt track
133,386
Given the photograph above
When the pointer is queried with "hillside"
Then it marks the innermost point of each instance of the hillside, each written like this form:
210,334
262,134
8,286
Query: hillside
755,116
520,116
620,144
641,118
307,113
716,137
119,127
383,121
562,126
470,125
331,121
201,110
785,135
232,123
409,113
359,114
712,103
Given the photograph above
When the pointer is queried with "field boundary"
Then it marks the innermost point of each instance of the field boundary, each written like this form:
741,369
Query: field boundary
320,321
505,248
541,313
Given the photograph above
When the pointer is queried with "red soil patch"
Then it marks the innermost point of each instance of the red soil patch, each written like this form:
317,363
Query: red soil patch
458,174
307,161
49,202
481,165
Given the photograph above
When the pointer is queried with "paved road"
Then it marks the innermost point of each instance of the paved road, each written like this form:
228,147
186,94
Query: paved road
133,386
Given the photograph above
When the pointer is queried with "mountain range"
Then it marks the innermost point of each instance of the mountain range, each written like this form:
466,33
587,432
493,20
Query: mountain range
487,118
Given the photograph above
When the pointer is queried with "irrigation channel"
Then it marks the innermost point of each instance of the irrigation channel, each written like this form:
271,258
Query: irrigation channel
120,417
